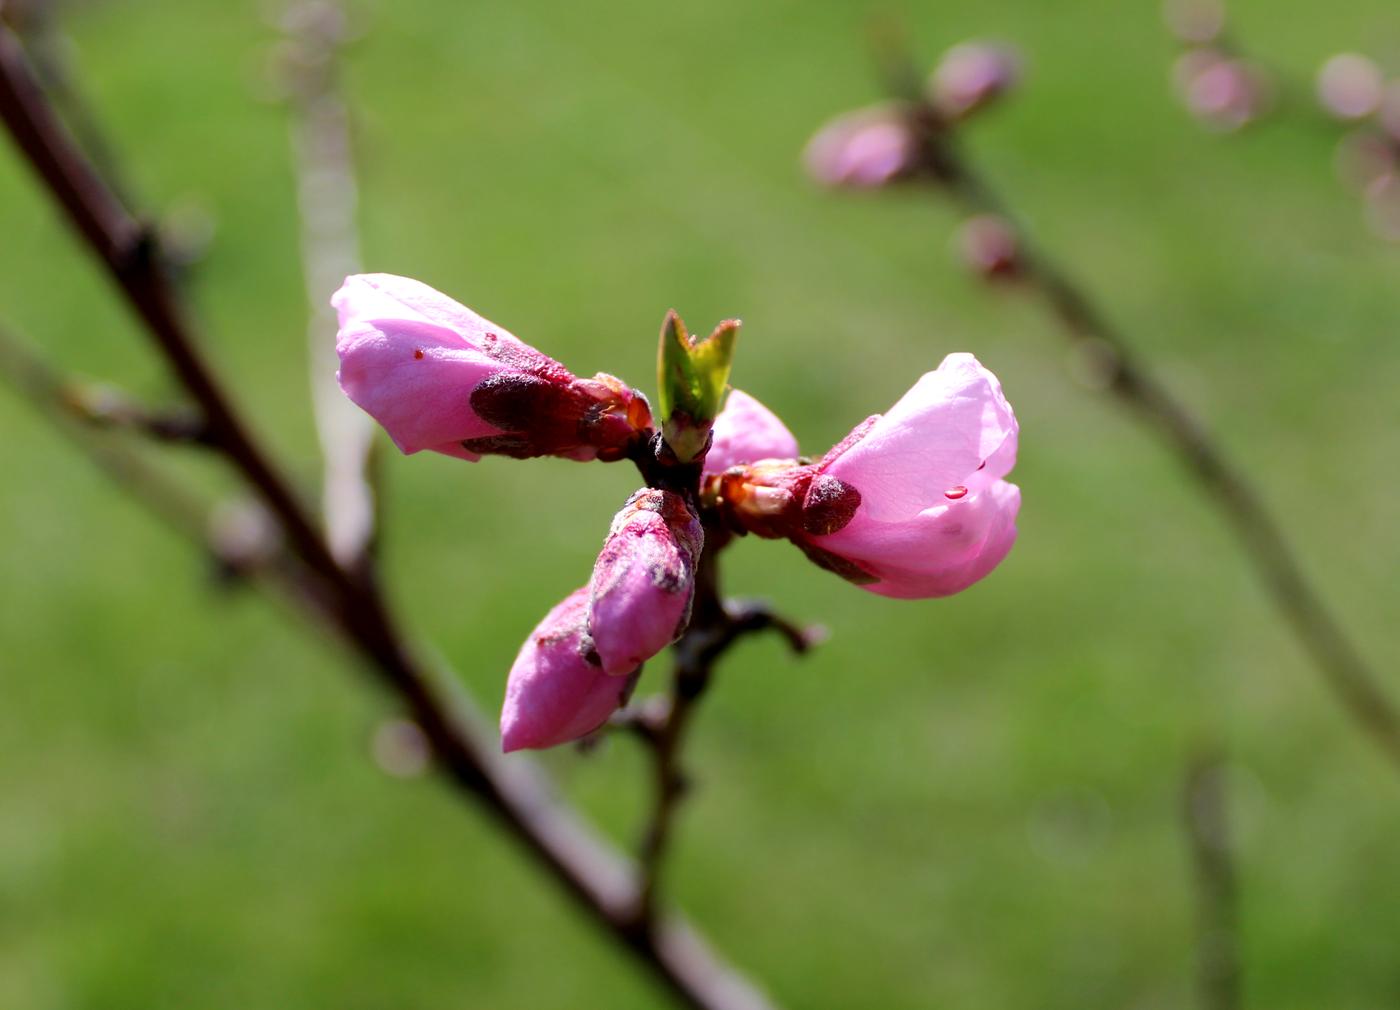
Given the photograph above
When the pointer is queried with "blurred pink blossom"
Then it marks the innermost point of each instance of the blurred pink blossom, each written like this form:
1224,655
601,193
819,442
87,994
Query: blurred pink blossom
988,244
1349,86
971,76
864,149
1224,93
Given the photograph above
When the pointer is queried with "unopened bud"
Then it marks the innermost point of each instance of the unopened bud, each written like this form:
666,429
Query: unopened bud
971,76
763,498
865,149
1349,86
557,691
644,579
438,376
987,243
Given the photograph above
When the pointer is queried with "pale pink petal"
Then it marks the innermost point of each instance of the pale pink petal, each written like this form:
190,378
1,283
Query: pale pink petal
745,432
644,579
415,379
862,149
388,296
554,694
962,565
937,437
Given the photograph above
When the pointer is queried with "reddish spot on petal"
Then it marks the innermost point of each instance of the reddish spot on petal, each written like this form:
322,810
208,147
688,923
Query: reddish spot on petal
955,492
418,354
982,465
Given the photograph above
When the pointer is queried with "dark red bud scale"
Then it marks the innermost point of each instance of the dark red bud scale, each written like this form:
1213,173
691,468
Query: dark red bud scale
829,505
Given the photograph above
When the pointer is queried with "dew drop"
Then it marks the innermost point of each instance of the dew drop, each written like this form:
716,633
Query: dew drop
418,354
955,493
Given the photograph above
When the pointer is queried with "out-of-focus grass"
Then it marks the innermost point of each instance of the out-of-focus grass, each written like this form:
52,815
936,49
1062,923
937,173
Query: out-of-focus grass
970,802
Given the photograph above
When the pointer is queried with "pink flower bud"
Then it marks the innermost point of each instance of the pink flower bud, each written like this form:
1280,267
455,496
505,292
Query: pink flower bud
643,582
864,149
1349,86
438,376
745,432
912,503
971,76
557,692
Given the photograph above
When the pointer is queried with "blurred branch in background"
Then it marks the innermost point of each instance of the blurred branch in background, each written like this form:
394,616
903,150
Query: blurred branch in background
1225,91
36,22
77,413
593,874
914,139
308,68
1205,818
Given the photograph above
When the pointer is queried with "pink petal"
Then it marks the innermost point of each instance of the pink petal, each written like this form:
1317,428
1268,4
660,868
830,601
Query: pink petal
943,552
745,432
415,379
644,580
862,149
388,296
554,694
937,437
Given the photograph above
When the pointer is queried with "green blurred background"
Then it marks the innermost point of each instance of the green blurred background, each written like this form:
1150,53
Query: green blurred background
971,802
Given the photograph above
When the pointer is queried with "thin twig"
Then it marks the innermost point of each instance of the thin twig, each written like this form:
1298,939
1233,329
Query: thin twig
53,397
326,196
1222,482
1207,828
589,871
714,628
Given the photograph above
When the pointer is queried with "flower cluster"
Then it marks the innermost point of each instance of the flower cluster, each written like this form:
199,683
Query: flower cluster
911,504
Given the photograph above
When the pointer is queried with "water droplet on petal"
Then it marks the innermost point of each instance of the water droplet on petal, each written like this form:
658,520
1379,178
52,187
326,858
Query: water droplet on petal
955,493
418,354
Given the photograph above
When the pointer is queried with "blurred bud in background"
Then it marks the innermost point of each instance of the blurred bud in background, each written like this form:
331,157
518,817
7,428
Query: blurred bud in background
971,76
865,149
1383,207
1388,115
400,749
1195,22
1363,157
1222,92
1349,86
988,245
